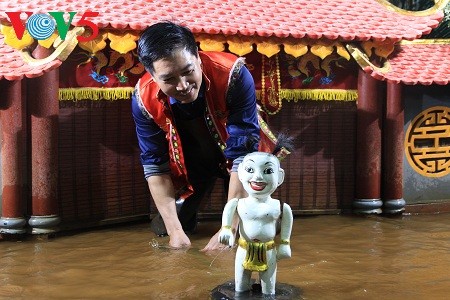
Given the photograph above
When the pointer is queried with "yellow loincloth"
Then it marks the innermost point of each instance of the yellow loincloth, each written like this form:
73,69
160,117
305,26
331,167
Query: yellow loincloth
256,259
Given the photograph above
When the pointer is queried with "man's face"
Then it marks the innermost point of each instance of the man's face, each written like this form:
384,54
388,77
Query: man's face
179,76
260,174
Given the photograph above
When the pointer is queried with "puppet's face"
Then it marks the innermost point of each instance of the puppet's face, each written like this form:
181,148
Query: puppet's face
179,76
260,173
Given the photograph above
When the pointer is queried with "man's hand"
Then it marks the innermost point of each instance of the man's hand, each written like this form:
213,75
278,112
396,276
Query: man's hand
179,239
213,244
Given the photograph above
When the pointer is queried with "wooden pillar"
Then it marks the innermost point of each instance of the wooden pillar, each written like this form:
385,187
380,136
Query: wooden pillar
13,157
44,109
368,147
393,134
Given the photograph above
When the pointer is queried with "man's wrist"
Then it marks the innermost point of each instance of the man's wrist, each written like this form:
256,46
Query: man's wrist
174,230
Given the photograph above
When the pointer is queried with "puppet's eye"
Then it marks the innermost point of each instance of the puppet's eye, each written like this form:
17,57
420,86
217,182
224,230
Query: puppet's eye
268,171
249,169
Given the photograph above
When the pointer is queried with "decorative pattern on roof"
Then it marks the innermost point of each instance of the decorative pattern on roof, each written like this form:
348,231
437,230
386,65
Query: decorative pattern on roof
420,62
13,67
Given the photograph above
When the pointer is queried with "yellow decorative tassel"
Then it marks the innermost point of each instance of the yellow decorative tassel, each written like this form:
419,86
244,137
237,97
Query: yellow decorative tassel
315,95
318,94
75,94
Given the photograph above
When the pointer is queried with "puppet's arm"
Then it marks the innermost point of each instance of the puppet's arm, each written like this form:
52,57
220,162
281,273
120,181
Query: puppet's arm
284,250
226,235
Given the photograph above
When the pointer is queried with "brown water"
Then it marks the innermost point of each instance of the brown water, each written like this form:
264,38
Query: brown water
334,257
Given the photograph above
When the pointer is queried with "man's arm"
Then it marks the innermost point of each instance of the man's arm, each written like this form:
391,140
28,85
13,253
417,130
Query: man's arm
155,158
242,124
236,190
161,188
242,121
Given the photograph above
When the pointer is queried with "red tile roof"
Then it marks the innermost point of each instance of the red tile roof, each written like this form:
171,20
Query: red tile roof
331,19
344,20
12,66
416,63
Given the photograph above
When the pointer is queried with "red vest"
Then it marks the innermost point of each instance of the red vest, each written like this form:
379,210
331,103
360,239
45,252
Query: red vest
223,68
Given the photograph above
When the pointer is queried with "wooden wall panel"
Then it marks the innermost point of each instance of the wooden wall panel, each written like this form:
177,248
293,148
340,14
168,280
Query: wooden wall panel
100,173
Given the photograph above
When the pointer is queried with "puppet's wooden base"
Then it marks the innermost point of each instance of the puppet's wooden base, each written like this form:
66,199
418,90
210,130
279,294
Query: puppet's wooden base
282,292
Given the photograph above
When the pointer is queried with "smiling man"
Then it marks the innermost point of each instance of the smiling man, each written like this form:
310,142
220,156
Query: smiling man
195,113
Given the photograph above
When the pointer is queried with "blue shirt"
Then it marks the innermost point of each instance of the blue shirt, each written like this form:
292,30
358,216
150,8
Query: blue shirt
242,122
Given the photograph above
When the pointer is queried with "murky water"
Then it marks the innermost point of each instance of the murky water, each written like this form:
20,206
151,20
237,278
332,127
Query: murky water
334,257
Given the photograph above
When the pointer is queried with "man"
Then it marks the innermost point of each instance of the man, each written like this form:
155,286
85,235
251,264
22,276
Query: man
195,113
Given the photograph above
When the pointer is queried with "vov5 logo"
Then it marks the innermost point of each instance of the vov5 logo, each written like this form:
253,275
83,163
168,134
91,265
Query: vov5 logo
41,26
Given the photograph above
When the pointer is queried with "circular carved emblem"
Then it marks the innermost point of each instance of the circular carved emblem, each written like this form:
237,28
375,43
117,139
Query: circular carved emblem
427,142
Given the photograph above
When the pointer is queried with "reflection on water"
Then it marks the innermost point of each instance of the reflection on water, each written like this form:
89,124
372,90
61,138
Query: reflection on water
334,257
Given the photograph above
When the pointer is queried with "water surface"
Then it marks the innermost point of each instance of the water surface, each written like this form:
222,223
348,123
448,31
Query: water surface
334,257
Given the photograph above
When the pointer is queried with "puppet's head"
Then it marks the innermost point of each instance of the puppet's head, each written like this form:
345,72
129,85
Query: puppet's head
260,174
